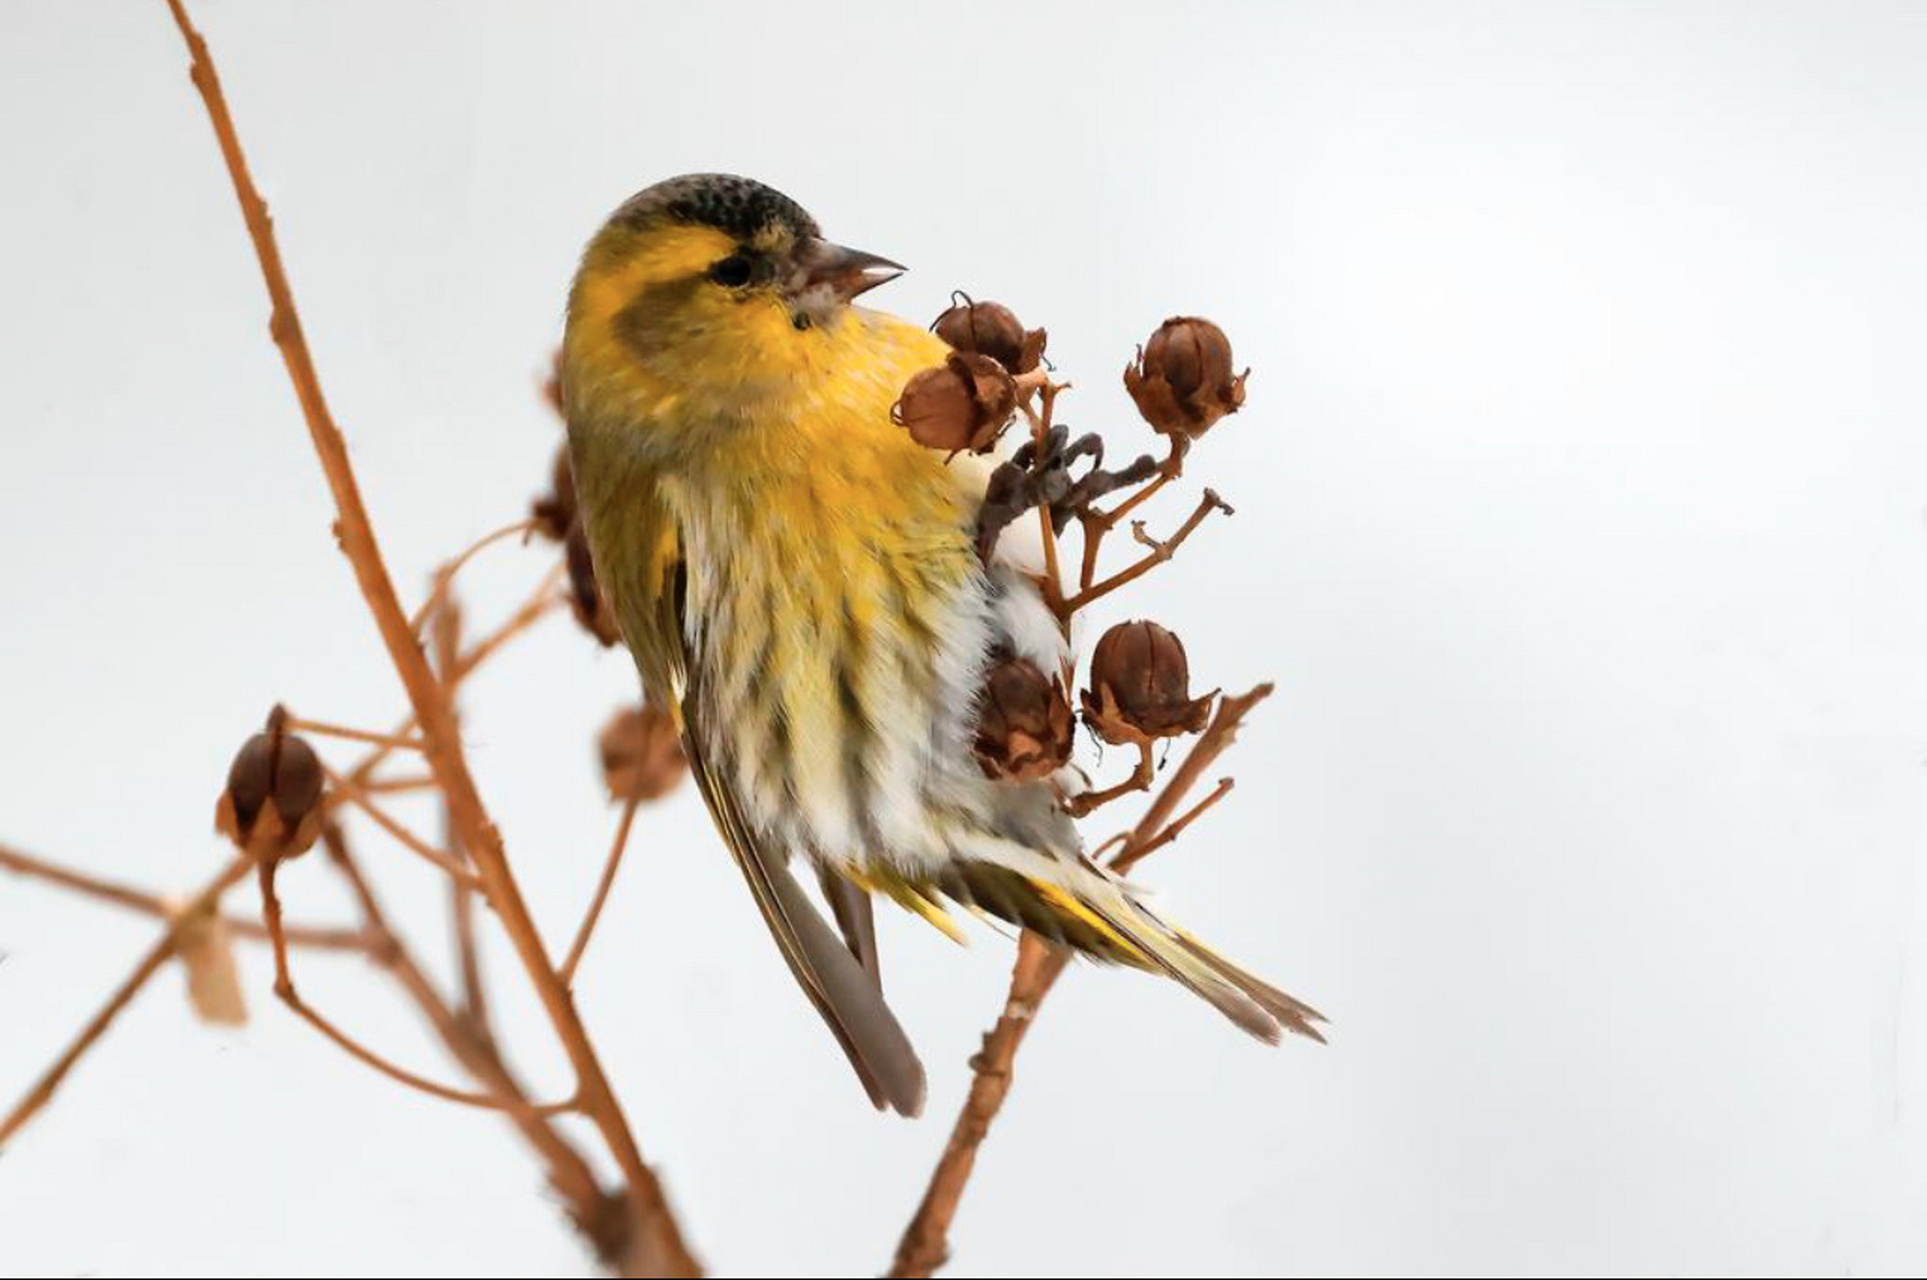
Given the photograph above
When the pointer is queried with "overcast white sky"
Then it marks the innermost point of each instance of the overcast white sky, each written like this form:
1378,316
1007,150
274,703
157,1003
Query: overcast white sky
1580,521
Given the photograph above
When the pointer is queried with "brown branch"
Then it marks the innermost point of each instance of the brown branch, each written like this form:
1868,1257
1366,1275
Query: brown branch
592,1209
148,903
445,576
925,1245
461,898
1140,780
545,600
284,989
321,728
1177,827
1160,551
401,835
145,968
661,1251
1096,524
609,868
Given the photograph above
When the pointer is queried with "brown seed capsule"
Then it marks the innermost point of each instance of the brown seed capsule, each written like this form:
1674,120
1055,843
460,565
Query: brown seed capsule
1182,380
991,329
586,600
963,403
555,511
271,808
1023,722
641,755
1141,686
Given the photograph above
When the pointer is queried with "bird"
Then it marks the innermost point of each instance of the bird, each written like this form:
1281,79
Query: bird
799,584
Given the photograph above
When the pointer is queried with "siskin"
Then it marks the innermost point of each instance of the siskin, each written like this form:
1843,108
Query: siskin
799,583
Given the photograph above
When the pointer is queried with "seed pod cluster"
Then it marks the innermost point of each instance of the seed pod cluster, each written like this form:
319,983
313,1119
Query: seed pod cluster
1024,721
1140,686
1182,380
271,807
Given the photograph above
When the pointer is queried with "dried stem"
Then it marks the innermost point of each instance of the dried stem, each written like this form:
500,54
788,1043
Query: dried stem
1160,551
925,1244
461,897
609,868
661,1250
1096,524
569,1174
145,968
402,835
539,605
1140,780
445,577
88,885
322,729
284,989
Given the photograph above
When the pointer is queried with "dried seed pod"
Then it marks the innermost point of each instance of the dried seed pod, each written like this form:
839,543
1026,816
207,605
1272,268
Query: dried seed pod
1182,380
206,951
586,600
642,755
991,329
1141,686
555,511
271,808
963,403
1023,721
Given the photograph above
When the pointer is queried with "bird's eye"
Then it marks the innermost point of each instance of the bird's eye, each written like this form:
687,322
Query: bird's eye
733,271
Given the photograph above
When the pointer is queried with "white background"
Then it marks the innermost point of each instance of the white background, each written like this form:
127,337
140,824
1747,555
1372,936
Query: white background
1580,521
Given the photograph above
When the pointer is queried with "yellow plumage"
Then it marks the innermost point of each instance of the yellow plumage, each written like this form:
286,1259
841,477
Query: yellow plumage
798,580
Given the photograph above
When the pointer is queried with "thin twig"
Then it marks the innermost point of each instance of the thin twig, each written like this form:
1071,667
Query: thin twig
1159,551
402,835
569,1173
1177,827
1139,780
461,897
662,1250
148,903
1096,524
445,576
321,728
594,913
145,968
285,990
545,600
925,1244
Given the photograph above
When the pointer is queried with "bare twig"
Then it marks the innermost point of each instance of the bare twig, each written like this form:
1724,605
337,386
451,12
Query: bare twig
1139,780
661,1250
445,577
402,835
145,968
284,989
89,885
1159,551
322,729
925,1244
609,868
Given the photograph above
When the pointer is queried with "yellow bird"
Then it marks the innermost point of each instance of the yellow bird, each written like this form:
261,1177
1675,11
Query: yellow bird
798,581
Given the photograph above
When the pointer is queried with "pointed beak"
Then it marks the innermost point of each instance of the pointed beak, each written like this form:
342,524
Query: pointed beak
844,272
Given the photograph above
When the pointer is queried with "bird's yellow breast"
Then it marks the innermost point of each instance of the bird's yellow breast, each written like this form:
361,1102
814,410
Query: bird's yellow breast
831,592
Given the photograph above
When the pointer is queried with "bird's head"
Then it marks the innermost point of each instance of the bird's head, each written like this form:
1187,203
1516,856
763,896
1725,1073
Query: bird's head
710,283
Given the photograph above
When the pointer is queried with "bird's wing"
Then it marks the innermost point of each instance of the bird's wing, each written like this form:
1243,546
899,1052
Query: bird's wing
849,997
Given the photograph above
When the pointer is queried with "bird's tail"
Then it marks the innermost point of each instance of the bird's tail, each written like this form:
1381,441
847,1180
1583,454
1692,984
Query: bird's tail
1082,906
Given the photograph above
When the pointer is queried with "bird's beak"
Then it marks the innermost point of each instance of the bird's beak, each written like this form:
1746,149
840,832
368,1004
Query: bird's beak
843,272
